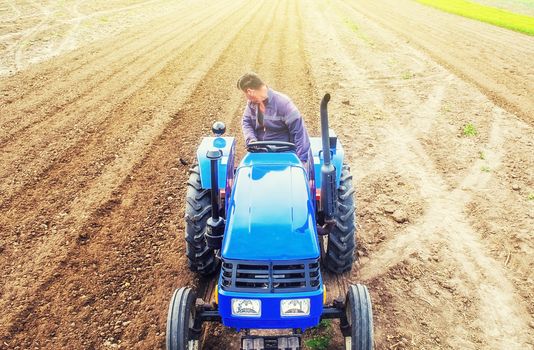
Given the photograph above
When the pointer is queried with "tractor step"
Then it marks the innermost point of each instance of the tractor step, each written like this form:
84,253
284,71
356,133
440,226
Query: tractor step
279,342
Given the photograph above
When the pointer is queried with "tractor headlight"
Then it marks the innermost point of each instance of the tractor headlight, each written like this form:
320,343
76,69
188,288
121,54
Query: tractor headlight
246,307
295,307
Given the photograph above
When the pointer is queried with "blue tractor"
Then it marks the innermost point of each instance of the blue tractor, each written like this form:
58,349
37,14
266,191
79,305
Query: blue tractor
260,226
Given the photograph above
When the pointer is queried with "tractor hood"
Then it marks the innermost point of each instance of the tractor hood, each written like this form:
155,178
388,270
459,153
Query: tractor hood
270,215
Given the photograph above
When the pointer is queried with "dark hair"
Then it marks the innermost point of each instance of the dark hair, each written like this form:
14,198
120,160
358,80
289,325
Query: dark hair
249,81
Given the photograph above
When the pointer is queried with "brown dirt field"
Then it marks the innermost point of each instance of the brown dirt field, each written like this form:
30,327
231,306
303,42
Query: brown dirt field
102,106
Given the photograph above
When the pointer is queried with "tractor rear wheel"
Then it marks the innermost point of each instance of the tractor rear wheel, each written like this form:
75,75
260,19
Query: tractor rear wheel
359,313
181,334
201,258
342,238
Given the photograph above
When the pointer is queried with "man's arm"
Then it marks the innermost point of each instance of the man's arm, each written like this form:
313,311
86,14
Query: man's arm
298,131
248,126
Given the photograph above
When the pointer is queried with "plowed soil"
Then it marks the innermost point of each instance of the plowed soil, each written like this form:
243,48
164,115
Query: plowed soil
102,106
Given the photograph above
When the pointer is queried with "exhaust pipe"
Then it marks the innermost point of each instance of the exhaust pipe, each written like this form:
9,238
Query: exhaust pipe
215,224
328,171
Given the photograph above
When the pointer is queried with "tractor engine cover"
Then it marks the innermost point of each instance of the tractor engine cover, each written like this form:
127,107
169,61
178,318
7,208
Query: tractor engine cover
270,213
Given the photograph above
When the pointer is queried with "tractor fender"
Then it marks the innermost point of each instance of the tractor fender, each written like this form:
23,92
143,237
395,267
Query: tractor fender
337,155
225,164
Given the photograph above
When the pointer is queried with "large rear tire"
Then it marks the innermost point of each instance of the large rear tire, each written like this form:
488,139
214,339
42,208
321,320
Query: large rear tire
342,239
359,313
181,320
201,259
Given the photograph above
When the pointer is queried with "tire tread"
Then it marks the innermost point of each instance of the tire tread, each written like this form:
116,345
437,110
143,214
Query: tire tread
200,258
342,240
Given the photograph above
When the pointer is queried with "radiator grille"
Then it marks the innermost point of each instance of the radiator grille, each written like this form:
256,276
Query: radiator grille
274,277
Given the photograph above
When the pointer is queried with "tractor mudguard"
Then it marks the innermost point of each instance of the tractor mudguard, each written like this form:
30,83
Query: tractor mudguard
226,163
337,156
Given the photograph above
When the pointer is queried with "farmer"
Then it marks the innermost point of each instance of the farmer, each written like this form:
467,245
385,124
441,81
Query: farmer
271,116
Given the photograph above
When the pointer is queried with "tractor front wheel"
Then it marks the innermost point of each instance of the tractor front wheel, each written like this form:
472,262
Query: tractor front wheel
342,238
359,313
181,334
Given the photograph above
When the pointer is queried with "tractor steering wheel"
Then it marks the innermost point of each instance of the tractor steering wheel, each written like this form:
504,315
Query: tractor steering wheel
271,147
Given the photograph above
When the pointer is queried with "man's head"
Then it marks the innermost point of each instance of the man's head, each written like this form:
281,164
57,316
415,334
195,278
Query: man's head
253,87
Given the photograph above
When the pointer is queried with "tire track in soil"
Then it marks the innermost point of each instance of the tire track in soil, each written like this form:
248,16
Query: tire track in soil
117,52
68,41
37,30
46,15
15,9
192,80
85,120
501,313
483,59
121,59
336,70
81,59
337,284
400,145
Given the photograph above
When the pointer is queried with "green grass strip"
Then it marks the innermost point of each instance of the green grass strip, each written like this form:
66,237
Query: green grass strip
488,14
